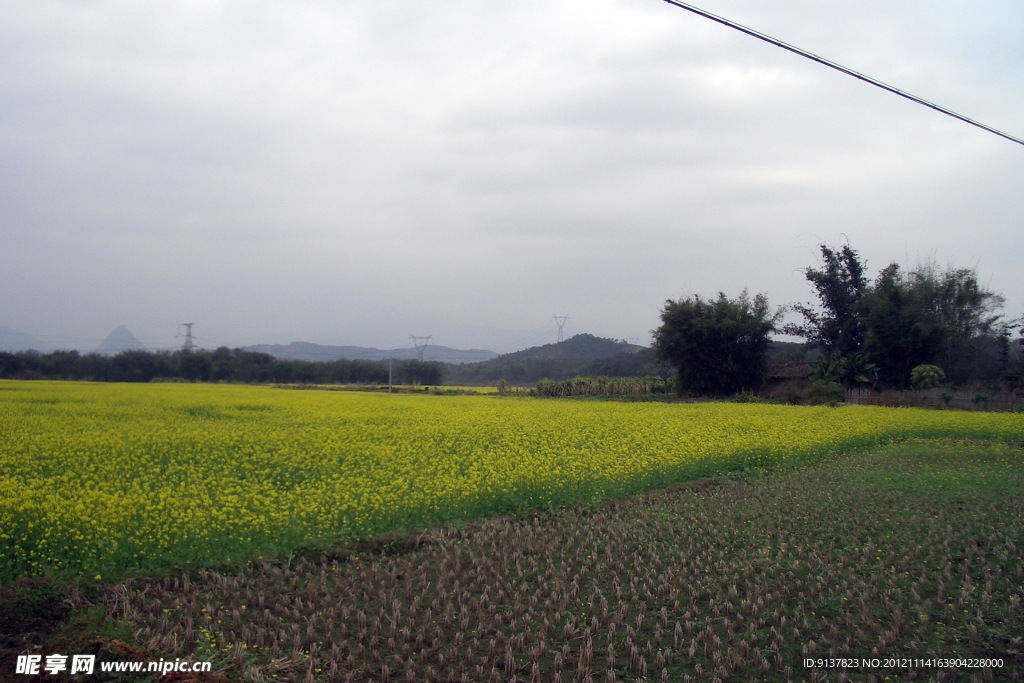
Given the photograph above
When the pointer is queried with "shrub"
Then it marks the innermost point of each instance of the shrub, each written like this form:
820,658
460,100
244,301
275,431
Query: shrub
822,392
926,376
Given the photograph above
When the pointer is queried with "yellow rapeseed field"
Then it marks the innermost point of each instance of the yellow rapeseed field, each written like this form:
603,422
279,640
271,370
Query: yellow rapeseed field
99,479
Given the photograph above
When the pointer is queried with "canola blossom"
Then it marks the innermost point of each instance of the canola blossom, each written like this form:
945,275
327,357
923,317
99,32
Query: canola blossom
100,479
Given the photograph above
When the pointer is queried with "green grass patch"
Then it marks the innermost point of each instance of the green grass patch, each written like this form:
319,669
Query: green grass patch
943,468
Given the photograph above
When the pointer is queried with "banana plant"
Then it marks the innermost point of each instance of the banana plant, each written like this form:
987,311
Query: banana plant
847,370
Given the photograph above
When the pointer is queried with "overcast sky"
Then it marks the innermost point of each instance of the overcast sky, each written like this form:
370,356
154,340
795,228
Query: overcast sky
359,171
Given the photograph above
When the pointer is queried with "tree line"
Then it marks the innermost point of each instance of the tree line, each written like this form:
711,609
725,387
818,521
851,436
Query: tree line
220,365
906,328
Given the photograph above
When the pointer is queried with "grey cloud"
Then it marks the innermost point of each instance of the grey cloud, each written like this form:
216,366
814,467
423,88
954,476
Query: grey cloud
343,172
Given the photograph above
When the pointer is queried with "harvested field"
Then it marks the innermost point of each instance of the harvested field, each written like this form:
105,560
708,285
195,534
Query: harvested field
912,552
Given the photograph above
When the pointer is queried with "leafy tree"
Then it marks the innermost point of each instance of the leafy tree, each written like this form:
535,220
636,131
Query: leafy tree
19,365
1013,374
137,366
934,316
967,312
59,364
221,364
253,366
717,346
840,284
901,332
195,367
420,372
927,315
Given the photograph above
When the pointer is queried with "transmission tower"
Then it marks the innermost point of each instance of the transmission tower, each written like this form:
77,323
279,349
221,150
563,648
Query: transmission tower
420,349
189,345
560,321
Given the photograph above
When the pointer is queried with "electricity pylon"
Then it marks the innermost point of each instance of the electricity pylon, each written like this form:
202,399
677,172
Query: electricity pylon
420,350
560,321
189,345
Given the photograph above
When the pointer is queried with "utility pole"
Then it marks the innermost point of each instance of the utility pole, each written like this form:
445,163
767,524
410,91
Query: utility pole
420,350
189,345
560,321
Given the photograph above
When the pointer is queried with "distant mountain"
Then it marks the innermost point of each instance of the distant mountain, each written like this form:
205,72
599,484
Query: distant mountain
13,340
580,347
583,354
314,352
121,339
320,352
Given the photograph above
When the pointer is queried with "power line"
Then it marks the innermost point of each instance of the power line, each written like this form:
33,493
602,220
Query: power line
839,67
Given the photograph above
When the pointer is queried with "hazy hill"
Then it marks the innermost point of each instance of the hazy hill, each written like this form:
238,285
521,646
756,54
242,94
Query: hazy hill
121,339
582,354
13,340
578,347
321,352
